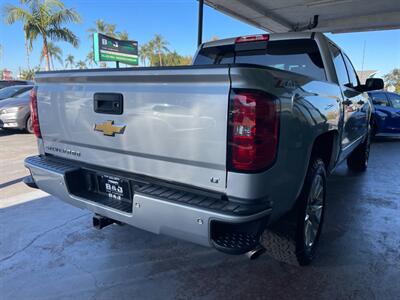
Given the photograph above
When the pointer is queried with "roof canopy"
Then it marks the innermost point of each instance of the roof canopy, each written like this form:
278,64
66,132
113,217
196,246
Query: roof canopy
298,15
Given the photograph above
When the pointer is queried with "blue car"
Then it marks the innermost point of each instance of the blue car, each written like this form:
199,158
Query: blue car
386,113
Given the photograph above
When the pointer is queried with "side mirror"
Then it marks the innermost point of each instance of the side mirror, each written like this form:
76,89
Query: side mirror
372,84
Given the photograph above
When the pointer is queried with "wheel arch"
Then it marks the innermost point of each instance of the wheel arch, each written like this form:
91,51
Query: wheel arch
326,146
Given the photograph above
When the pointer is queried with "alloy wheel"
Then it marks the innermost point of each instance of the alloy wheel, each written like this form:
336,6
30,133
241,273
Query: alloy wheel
313,215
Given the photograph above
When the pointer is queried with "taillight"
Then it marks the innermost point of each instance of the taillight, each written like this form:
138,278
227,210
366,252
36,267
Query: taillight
254,129
252,38
34,113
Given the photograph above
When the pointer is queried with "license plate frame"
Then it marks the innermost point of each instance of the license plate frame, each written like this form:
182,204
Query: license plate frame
114,187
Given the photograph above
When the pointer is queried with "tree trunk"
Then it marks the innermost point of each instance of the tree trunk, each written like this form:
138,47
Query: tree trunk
27,54
46,54
159,56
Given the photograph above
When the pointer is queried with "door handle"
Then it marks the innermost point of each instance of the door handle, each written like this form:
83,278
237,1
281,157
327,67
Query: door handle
360,102
108,103
347,102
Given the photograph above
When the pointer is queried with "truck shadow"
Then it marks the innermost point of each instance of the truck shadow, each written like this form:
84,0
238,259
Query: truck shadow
10,182
12,132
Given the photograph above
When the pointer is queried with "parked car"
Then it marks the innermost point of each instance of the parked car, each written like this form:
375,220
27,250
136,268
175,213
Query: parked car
6,83
15,112
232,152
385,113
13,91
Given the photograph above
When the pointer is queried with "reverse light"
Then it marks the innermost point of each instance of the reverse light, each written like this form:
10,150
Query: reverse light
252,38
34,113
254,129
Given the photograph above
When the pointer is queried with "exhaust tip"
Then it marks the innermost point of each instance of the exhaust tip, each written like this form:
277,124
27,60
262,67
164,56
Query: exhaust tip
256,252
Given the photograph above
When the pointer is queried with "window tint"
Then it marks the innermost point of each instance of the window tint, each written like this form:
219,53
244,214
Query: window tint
11,91
24,93
395,100
350,70
379,99
340,67
300,56
11,83
215,56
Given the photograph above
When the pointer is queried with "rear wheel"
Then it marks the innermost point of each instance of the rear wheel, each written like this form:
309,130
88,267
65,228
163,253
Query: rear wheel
294,239
374,128
358,159
28,125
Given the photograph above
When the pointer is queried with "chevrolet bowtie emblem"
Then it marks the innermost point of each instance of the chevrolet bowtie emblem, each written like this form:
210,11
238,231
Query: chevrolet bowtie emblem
108,128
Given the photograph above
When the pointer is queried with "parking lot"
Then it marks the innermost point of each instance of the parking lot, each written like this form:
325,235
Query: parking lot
49,249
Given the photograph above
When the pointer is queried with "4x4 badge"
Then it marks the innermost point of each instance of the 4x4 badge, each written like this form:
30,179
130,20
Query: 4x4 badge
109,129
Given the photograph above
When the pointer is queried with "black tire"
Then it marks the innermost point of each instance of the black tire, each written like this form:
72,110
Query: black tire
358,159
286,240
374,128
28,125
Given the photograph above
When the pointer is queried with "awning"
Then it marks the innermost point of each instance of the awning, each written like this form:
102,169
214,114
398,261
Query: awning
300,15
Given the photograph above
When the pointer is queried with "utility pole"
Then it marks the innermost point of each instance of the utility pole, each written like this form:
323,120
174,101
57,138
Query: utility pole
363,57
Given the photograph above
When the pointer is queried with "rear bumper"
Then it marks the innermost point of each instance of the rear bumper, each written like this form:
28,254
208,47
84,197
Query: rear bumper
150,213
11,120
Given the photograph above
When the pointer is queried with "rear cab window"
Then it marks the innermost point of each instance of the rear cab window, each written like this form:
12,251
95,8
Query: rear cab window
300,56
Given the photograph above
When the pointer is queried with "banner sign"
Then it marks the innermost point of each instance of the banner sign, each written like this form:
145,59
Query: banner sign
106,48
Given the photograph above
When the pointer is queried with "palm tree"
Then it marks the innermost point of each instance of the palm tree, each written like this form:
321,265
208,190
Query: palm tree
102,27
90,59
28,74
81,64
151,53
70,61
53,52
172,59
46,19
123,35
160,46
27,51
145,53
111,30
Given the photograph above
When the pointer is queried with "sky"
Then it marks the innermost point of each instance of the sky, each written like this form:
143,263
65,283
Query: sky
176,21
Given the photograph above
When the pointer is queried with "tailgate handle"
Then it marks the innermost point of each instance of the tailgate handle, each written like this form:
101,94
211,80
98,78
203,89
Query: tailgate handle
108,103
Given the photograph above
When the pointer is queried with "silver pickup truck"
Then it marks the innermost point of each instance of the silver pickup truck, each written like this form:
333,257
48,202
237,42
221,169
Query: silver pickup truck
231,152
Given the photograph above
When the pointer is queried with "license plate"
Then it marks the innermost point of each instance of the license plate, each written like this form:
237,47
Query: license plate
114,187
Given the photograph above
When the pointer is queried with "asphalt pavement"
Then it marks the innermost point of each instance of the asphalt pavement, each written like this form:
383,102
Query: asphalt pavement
49,250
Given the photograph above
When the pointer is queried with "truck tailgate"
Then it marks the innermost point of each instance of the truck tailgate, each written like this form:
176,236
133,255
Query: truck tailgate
173,125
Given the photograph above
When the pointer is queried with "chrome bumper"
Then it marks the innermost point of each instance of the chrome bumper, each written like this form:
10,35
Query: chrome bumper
150,214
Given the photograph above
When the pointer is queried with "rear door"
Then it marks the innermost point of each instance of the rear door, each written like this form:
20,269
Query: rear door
352,118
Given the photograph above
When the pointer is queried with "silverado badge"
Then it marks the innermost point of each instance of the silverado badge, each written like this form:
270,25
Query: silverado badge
109,129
